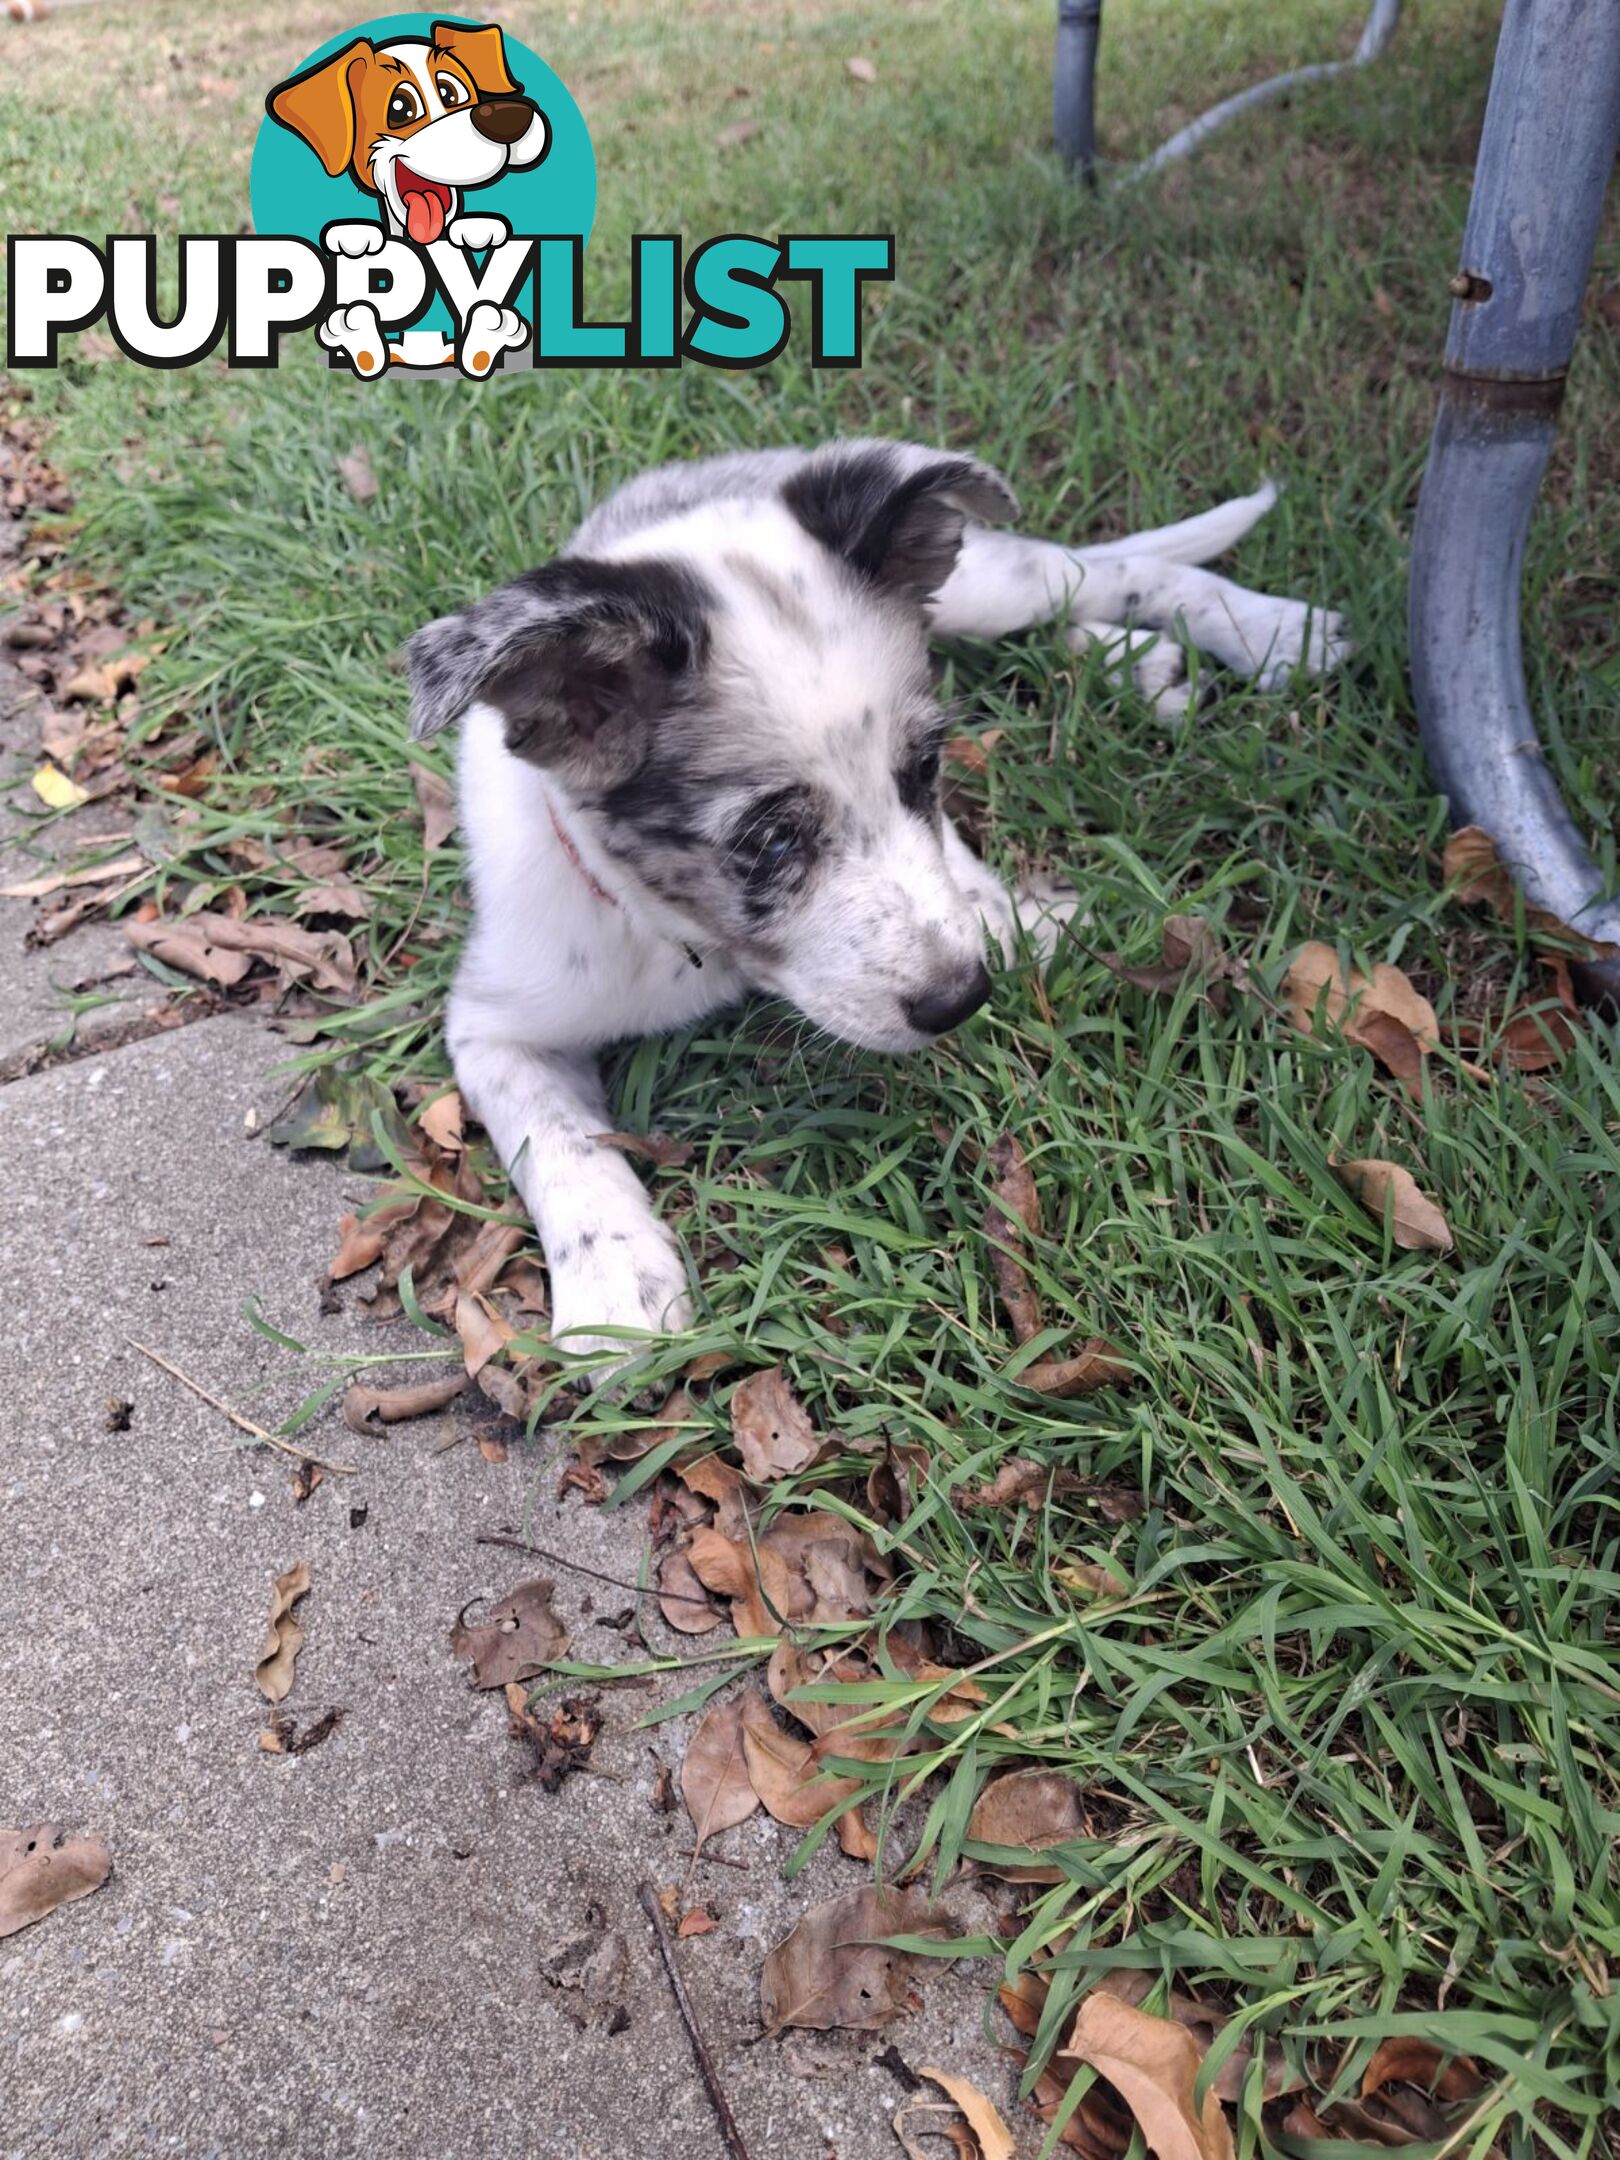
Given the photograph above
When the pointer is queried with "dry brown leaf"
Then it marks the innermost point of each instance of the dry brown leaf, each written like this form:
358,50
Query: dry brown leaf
1381,1011
1187,947
1384,1188
1098,1363
827,1563
784,1772
1132,1984
107,873
357,475
480,1264
833,1969
519,1639
712,1478
715,1783
337,898
772,1428
1410,2061
484,1334
284,1638
756,1582
681,1597
1027,1810
983,2116
217,948
1011,1219
1088,1579
436,800
1152,2064
441,1121
43,1866
366,1408
699,1921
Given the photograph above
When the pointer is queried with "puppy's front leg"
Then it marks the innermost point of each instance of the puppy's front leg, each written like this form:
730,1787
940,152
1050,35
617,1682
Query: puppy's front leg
613,1264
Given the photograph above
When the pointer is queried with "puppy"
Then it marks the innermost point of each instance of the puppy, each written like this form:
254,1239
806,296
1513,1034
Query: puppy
700,757
415,123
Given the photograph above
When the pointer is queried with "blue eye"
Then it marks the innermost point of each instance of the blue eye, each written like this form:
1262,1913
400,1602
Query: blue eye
778,844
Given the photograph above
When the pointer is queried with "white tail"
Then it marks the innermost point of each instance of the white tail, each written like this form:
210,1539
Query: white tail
1195,539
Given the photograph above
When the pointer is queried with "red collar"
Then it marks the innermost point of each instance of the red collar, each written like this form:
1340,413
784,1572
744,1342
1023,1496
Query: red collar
596,890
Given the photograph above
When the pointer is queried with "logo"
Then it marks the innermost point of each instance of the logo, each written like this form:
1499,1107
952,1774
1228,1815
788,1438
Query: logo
423,191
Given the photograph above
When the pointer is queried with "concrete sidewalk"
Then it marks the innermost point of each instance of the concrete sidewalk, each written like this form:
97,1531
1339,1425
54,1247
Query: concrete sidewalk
393,1938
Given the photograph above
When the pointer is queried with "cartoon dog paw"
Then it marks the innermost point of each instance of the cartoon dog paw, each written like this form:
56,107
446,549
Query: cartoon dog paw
356,330
354,240
478,233
489,331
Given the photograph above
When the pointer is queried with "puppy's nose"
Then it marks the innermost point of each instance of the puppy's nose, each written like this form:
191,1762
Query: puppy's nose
947,1004
502,120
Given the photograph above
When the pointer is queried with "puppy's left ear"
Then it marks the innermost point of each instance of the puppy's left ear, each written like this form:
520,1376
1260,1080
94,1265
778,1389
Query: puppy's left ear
896,512
482,52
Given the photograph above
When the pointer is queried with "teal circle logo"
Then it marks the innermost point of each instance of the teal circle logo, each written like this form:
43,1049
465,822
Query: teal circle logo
445,134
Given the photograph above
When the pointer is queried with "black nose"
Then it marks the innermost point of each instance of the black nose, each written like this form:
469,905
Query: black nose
948,1003
502,120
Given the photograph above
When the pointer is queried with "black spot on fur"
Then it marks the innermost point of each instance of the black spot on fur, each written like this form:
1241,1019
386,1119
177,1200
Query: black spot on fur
898,528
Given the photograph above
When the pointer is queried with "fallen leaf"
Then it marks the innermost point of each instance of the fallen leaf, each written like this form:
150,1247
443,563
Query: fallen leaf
834,1969
43,1866
656,1148
1410,2061
337,898
1011,1219
305,1479
739,132
862,70
1152,2064
1097,1364
365,1408
771,1427
1132,1984
830,1570
355,471
559,1738
1188,947
217,948
756,1582
484,1334
1028,1811
714,1775
437,803
284,1638
971,753
1385,1189
1382,1012
57,791
784,1772
681,1599
699,1921
441,1121
984,2117
106,873
519,1639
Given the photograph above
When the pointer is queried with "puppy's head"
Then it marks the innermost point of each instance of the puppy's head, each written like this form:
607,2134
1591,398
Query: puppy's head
417,120
740,703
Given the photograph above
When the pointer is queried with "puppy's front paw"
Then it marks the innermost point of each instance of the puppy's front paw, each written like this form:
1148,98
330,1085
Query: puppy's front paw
478,233
1044,904
354,240
632,1279
358,331
489,331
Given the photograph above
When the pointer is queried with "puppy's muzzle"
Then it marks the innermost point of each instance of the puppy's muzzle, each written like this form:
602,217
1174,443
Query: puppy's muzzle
947,1004
503,119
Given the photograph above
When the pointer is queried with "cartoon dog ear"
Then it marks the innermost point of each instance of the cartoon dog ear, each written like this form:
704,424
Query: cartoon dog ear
482,52
319,104
895,512
581,659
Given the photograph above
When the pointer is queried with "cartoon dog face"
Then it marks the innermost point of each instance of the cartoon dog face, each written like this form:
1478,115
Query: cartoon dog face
416,121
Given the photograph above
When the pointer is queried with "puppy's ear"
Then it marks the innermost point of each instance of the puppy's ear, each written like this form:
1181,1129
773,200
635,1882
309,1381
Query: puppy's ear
581,658
319,104
482,52
896,512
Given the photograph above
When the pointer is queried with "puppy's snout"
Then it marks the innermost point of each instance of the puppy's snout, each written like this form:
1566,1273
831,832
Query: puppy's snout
949,1002
502,120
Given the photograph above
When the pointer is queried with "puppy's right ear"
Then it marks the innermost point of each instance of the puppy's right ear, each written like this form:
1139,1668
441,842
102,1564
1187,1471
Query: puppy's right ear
319,104
580,658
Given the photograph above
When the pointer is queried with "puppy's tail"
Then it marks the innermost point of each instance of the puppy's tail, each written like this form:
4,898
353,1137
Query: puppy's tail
1195,539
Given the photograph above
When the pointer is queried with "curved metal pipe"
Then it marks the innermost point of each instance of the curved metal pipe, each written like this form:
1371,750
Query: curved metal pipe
1551,130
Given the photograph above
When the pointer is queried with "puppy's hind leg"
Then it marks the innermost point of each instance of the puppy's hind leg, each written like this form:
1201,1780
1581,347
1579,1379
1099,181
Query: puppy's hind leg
613,1264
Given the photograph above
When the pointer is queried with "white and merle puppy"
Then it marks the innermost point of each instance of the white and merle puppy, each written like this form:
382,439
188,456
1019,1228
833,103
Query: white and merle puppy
701,757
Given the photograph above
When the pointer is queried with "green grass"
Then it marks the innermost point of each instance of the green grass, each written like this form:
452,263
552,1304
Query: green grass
1357,1717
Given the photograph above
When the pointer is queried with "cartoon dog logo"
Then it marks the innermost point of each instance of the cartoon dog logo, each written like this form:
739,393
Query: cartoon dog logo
416,123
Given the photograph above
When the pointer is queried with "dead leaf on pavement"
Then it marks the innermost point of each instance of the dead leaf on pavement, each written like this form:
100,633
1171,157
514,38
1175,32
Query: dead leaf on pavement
755,1581
784,1771
337,898
1028,1810
284,1638
559,1737
217,948
442,1120
366,1408
437,803
983,2116
519,1639
1152,2064
1011,1219
715,1783
484,1334
1025,1482
1385,1189
43,1866
106,873
1382,1012
681,1597
772,1428
834,1968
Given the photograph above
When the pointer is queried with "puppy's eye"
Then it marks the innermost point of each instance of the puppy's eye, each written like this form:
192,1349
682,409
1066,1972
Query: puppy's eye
918,781
404,107
452,90
776,845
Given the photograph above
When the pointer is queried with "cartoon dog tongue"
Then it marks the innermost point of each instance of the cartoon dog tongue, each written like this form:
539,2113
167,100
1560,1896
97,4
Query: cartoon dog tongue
424,215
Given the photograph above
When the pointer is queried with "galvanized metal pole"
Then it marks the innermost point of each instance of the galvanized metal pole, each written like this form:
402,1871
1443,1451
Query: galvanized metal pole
1074,86
1552,126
